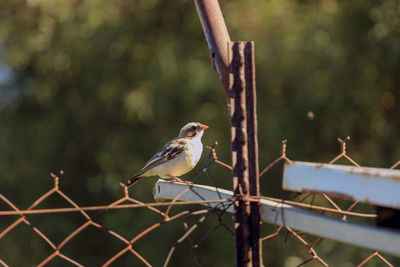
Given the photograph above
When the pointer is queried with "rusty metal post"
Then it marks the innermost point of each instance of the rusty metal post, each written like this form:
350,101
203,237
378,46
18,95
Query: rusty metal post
217,37
239,153
234,64
242,99
252,143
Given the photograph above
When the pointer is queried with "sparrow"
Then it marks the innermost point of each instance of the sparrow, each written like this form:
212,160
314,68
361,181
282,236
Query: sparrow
177,157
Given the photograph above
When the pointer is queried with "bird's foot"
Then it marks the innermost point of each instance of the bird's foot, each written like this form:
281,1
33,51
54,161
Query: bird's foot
179,180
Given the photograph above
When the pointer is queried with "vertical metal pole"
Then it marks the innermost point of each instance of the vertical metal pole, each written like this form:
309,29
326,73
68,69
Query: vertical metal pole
217,37
234,63
252,143
239,152
244,152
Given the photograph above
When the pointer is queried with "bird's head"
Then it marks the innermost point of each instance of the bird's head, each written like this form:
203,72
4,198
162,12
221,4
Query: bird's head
192,130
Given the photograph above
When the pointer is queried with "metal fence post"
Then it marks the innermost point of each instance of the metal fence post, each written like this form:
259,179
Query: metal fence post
234,63
252,143
242,101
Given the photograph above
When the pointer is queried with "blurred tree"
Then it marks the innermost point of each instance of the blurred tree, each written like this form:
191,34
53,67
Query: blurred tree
96,87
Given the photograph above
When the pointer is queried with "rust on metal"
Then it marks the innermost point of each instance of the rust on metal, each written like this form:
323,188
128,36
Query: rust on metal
244,145
252,143
237,98
217,37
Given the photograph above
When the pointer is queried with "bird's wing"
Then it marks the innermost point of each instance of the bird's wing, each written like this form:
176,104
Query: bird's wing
171,150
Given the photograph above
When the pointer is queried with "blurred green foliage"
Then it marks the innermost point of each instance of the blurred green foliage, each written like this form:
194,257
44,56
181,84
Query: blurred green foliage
96,87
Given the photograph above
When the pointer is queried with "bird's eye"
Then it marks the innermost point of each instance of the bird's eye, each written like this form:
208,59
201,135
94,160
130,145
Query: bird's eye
193,128
191,133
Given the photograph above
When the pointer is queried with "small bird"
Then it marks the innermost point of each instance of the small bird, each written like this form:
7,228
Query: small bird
177,157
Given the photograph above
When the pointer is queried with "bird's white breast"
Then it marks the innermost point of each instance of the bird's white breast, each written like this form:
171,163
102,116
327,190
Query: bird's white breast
196,148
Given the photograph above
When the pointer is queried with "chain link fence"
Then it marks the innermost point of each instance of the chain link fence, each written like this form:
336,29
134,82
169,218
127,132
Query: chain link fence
164,210
166,214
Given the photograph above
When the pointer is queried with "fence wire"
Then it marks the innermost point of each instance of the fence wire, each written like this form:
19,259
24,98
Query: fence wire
335,208
125,202
167,216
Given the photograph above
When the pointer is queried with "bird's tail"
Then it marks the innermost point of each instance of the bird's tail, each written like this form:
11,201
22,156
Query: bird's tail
134,179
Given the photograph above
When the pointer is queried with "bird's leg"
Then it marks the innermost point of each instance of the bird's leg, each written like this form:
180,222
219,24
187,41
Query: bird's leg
179,180
176,179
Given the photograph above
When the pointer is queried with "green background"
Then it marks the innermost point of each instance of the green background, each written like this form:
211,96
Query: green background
95,88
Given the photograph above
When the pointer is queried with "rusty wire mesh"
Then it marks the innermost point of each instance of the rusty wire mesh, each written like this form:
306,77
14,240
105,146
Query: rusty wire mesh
125,202
166,216
336,209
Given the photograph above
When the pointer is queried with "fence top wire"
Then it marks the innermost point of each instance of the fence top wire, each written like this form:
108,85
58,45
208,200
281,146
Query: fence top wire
128,201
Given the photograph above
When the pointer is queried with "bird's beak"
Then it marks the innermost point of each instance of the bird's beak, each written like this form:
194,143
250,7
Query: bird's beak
203,127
